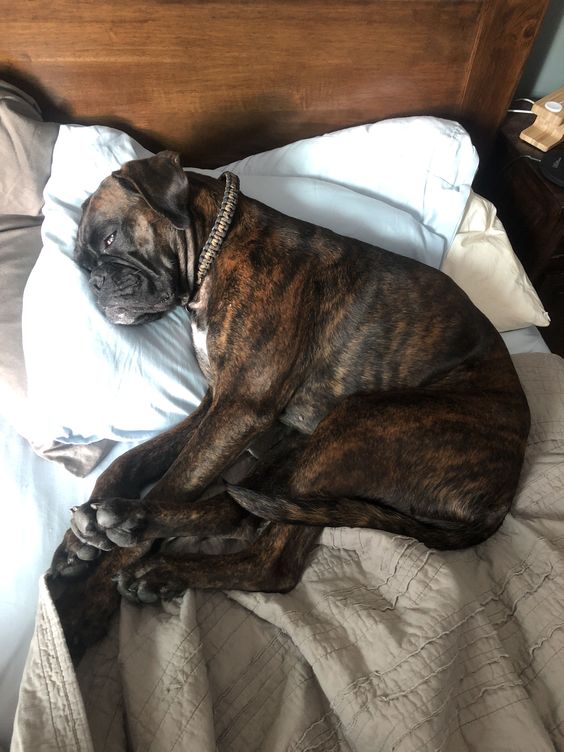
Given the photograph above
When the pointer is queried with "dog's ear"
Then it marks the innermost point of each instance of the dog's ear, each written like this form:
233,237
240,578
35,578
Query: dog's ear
163,184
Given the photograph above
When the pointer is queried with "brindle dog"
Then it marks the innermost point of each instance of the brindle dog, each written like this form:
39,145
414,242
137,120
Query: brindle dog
384,398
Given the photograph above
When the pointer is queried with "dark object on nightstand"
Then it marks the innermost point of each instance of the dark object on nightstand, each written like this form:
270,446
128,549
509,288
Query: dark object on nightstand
532,211
552,166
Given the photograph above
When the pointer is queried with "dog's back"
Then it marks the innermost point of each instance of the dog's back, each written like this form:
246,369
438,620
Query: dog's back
417,418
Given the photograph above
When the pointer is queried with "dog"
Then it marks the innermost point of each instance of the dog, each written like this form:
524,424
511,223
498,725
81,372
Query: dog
380,395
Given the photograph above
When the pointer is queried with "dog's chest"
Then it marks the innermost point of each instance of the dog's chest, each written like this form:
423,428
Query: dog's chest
199,340
199,326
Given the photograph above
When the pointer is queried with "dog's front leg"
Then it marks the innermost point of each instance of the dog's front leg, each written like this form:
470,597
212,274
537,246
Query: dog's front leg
223,433
86,605
132,471
274,562
126,477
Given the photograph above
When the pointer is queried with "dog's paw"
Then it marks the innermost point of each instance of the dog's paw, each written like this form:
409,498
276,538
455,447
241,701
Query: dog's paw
150,580
73,558
110,522
85,526
124,521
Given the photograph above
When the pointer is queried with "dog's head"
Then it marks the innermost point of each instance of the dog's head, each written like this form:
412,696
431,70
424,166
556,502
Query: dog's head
131,239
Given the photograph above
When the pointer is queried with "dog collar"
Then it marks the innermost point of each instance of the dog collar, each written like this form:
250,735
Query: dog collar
220,227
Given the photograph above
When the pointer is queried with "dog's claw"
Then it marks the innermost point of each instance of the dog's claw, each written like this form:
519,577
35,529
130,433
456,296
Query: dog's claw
129,592
144,595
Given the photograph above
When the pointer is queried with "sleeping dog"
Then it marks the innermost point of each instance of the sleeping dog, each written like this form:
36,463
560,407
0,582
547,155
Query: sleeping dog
364,388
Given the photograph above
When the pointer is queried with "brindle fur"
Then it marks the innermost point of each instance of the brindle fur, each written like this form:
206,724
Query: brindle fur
393,400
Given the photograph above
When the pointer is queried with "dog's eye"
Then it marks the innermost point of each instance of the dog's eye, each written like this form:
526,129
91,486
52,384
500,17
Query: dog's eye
109,240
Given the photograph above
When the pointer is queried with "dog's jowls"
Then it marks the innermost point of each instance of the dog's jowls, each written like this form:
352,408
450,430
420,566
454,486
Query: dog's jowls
376,393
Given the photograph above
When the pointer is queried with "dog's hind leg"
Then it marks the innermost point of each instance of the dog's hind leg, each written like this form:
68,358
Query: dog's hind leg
422,463
86,605
87,598
274,562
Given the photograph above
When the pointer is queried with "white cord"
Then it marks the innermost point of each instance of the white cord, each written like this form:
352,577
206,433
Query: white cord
516,159
523,112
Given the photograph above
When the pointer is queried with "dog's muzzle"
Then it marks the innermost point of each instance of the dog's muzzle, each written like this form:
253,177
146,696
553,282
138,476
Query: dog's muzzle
128,293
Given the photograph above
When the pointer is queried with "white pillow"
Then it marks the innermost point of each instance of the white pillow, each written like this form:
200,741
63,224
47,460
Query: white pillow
423,166
89,380
347,212
482,262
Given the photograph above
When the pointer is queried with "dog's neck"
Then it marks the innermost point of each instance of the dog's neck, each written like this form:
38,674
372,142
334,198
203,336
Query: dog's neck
212,217
221,226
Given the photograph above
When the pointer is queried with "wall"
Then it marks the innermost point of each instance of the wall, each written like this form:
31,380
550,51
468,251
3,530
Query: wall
544,71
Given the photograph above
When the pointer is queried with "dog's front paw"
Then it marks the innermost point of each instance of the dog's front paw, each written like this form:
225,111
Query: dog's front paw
85,526
124,521
149,580
110,522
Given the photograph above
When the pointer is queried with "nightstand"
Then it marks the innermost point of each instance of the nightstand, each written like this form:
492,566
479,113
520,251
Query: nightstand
532,211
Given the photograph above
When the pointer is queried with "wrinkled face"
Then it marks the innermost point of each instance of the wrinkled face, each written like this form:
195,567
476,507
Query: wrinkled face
131,250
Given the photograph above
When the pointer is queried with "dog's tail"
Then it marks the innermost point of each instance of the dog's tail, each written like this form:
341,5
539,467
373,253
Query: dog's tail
440,534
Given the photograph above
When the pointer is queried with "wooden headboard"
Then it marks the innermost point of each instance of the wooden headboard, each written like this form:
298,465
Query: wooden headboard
220,79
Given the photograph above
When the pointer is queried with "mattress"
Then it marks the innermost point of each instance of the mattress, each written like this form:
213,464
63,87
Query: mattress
385,644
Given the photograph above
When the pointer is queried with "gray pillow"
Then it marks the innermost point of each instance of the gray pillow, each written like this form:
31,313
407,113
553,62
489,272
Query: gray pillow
20,243
26,148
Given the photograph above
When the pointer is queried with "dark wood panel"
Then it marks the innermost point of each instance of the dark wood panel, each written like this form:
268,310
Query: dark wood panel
217,80
506,31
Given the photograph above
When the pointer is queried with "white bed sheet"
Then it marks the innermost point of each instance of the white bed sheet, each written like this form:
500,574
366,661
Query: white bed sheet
34,513
524,341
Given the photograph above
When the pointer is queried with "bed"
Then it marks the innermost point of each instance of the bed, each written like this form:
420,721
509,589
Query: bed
385,644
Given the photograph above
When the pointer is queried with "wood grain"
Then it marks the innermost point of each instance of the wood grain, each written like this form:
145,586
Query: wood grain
219,80
505,33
